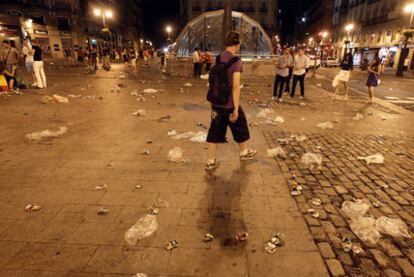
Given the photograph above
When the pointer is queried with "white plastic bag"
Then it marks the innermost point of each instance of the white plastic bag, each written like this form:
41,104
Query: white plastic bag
47,134
312,159
275,121
335,81
358,116
144,227
60,99
264,113
364,228
276,152
183,135
175,154
325,125
199,137
373,159
392,226
150,90
204,77
355,210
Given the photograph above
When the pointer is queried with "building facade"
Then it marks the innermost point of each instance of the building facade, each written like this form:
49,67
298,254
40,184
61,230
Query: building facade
378,28
69,24
263,11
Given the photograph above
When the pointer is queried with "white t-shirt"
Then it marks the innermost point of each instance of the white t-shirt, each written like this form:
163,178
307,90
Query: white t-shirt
300,61
26,50
195,57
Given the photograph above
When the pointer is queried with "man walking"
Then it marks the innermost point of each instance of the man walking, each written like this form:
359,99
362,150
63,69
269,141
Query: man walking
38,65
299,71
27,49
229,114
282,73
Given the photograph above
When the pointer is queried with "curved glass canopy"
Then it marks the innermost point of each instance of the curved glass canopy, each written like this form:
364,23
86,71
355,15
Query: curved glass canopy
205,32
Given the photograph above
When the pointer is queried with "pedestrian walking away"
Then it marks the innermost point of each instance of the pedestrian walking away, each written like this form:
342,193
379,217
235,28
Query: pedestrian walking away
344,75
224,96
38,66
289,77
282,73
299,72
373,77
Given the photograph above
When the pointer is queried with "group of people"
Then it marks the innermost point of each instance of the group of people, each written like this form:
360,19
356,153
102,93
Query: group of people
91,56
199,59
288,65
11,59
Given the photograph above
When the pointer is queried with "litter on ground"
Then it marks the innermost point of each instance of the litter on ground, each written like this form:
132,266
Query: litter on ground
139,113
144,227
373,159
187,85
32,208
264,113
150,90
276,152
47,134
325,125
358,116
312,160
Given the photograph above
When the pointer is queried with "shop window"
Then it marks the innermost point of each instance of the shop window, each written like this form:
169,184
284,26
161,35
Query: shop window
63,23
38,19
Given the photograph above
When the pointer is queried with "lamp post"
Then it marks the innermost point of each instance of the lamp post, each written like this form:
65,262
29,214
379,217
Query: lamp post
168,29
409,8
323,34
348,28
105,15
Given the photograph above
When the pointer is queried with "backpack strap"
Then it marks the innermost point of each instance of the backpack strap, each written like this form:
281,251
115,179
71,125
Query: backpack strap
231,62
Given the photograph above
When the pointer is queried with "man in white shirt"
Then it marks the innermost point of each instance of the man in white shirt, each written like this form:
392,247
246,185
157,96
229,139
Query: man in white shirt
196,62
299,71
27,49
282,73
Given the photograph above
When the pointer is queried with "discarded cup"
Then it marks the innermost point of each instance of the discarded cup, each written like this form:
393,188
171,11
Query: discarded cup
145,152
152,211
101,187
32,208
313,213
270,248
241,236
346,244
103,211
208,237
316,201
171,245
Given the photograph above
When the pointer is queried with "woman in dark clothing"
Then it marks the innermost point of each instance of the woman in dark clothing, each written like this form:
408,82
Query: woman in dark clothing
344,75
373,77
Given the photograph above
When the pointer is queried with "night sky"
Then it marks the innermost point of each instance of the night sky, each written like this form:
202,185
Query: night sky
160,13
157,15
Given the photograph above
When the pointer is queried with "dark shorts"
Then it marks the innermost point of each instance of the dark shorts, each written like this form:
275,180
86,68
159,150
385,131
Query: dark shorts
220,120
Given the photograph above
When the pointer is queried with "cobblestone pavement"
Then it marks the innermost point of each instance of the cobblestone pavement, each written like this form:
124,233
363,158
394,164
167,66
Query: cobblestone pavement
104,145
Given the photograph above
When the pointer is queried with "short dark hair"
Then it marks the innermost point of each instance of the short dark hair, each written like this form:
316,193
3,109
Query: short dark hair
6,41
232,38
196,49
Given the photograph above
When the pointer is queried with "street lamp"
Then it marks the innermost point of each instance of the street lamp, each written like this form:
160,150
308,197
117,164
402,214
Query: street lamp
323,34
169,29
348,28
105,15
409,8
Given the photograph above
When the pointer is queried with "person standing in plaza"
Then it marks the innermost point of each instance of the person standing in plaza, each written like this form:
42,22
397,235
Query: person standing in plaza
208,59
299,72
290,67
373,77
38,66
344,75
230,113
28,59
11,55
282,74
196,61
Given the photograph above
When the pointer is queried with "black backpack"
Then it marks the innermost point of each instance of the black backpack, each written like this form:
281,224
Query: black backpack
220,90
